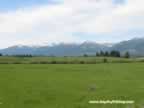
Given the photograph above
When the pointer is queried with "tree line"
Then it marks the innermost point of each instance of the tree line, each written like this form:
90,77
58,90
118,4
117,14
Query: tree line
20,55
113,53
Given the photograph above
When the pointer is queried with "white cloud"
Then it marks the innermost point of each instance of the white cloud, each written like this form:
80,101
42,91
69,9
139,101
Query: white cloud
129,16
57,23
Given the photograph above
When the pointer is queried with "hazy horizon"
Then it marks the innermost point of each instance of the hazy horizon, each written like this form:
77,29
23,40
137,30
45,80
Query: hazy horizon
68,43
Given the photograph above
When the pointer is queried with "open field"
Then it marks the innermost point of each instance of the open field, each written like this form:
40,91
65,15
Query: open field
71,85
65,60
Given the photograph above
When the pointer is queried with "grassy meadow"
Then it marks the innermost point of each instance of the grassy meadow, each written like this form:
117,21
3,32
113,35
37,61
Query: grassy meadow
70,85
65,60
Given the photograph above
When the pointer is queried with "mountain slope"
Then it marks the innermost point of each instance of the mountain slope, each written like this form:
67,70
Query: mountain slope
134,46
57,50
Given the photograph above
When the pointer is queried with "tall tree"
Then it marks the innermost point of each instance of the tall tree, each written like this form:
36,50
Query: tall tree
114,53
127,55
101,53
106,54
97,54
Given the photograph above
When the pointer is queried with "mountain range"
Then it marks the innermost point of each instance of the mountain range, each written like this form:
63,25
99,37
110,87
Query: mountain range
134,46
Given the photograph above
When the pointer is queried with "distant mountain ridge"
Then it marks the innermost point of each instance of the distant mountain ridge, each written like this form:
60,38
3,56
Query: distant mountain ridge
134,46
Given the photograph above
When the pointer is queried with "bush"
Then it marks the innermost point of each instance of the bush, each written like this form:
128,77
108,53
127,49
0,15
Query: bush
82,62
105,60
16,63
53,62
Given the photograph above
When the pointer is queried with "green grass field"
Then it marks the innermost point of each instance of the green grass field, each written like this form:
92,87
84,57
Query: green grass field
64,60
70,85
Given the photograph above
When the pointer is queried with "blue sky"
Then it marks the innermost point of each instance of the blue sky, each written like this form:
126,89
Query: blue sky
6,5
14,4
119,1
40,22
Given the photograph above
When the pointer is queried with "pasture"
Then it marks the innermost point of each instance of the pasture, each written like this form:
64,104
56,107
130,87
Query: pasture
71,85
64,60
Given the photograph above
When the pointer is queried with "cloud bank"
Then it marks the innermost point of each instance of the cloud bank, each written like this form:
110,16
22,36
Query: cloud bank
53,23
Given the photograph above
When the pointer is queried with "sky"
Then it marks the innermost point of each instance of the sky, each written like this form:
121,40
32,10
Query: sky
44,22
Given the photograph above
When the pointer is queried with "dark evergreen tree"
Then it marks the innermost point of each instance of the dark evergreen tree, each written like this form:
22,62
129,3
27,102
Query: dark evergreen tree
85,55
114,53
97,54
106,54
101,53
127,55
